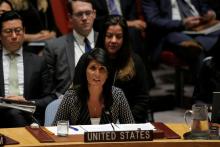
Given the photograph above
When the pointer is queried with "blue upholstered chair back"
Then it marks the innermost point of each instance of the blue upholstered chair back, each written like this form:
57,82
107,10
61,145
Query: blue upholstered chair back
51,111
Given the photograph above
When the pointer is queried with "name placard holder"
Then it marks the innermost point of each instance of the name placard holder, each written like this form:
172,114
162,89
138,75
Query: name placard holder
119,136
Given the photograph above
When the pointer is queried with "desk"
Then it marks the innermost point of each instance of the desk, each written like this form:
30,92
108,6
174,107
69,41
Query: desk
26,139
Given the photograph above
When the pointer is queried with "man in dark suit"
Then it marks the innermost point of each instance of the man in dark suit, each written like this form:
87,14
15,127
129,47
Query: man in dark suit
167,19
23,76
63,53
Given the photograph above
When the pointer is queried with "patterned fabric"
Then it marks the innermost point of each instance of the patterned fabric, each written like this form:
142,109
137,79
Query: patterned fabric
72,110
184,8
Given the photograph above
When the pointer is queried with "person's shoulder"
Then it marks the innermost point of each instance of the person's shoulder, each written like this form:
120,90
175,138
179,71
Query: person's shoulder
72,94
138,62
59,40
136,57
118,95
116,91
34,55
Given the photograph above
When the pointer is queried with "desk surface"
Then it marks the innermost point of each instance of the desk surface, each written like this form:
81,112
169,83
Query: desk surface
26,139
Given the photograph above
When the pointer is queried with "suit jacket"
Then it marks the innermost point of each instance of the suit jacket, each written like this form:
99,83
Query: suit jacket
72,109
37,83
127,7
158,14
60,57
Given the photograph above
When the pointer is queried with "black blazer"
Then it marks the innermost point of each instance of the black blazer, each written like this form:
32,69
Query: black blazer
37,83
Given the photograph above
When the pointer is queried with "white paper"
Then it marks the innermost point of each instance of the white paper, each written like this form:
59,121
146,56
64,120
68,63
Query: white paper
80,129
133,127
206,31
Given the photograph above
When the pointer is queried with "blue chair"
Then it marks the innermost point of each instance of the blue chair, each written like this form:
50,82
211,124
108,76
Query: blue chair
51,111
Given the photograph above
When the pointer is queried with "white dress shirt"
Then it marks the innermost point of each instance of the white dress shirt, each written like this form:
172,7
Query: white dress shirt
20,72
79,44
175,9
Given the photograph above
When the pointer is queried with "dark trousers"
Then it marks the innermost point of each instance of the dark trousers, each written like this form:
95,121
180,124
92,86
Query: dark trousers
14,118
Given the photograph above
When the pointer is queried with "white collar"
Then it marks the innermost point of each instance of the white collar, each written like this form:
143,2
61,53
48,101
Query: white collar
80,39
18,52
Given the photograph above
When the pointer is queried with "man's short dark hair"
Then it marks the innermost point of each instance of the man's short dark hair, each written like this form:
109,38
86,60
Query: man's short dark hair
10,15
69,5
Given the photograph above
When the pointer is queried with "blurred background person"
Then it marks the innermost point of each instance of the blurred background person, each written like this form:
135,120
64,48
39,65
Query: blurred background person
94,100
63,53
5,6
167,19
208,80
38,19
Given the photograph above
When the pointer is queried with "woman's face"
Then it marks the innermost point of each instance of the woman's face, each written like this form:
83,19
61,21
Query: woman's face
113,39
96,74
4,7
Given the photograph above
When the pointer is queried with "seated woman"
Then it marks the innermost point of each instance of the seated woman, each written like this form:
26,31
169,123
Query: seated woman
127,69
94,98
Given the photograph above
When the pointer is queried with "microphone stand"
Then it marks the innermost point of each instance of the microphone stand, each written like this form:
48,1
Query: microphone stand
109,119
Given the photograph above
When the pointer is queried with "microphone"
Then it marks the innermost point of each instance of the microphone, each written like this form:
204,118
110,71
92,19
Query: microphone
109,118
35,123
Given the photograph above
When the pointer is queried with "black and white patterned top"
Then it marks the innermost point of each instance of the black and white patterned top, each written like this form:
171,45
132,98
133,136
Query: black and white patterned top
71,109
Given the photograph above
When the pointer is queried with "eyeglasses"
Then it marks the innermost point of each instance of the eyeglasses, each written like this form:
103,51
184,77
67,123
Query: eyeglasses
81,14
10,31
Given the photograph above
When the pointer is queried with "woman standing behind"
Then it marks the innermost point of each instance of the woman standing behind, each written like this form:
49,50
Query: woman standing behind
94,100
127,69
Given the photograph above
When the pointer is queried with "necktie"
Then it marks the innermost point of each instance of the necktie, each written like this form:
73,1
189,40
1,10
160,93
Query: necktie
13,75
185,9
112,7
87,45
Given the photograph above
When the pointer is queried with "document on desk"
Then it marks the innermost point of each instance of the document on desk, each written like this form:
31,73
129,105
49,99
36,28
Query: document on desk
205,31
133,127
81,129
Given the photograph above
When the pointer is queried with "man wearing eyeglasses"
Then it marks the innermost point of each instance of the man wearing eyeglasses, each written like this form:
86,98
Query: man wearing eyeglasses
23,76
63,53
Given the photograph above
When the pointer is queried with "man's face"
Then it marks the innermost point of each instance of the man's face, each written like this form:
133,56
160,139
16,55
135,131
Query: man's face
83,17
12,35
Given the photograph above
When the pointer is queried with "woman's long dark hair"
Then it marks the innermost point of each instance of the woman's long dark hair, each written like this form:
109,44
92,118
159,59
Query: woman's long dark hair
124,53
101,57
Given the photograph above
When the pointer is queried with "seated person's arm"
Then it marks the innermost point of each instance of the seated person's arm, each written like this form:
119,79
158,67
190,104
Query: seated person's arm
41,36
